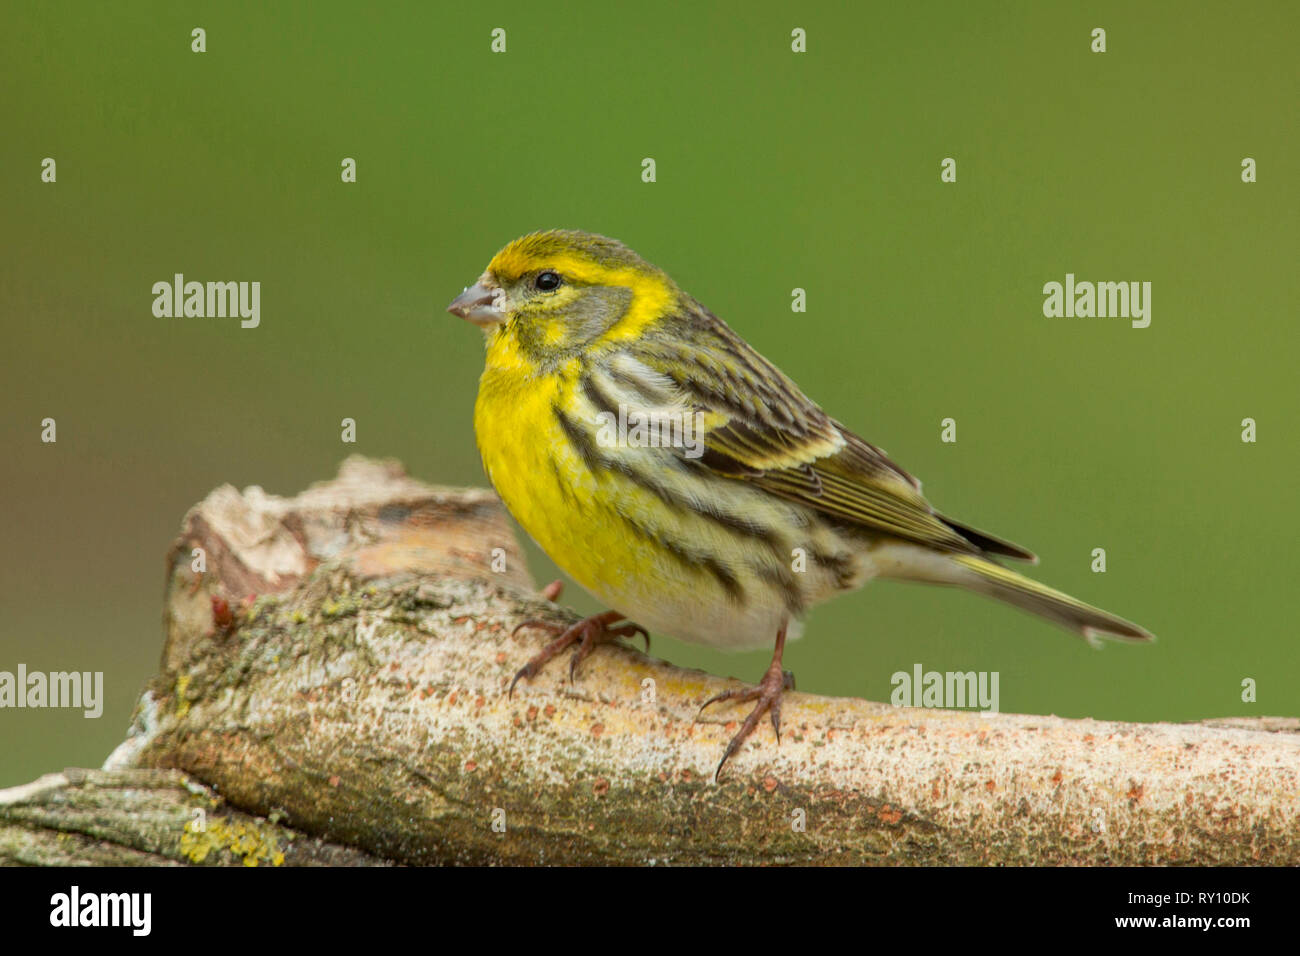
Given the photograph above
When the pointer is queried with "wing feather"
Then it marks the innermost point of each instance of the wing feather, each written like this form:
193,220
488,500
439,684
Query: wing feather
762,429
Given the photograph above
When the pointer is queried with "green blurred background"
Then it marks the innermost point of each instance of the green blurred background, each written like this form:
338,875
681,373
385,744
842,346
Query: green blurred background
775,170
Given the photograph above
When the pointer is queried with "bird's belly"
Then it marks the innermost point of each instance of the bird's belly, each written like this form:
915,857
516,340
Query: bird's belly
688,573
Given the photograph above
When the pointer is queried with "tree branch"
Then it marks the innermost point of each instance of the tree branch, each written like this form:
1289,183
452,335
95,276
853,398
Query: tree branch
360,698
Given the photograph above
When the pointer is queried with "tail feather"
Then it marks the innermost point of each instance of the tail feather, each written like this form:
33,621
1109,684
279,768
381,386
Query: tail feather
986,577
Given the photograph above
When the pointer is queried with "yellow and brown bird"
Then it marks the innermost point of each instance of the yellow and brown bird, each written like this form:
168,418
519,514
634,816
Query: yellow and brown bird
682,479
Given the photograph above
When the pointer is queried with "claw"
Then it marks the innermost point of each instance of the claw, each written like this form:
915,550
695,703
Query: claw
534,622
768,695
632,630
740,695
576,657
586,634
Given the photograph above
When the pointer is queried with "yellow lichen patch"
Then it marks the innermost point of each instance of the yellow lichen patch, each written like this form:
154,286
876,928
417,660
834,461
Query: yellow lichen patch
182,702
252,844
684,685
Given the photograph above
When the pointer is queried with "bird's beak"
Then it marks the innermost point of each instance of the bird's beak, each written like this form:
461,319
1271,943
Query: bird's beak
478,304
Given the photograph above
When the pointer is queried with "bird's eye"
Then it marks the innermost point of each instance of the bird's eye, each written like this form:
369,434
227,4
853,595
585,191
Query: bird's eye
548,280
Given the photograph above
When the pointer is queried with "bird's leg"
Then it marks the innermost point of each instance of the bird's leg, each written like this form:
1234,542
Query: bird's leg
553,590
768,693
586,634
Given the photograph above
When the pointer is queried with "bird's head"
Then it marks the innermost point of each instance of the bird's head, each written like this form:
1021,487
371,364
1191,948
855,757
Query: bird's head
550,294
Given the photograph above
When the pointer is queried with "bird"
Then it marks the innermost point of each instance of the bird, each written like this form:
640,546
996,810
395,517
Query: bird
685,482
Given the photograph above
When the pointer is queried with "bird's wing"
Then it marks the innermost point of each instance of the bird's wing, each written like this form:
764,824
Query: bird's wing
760,428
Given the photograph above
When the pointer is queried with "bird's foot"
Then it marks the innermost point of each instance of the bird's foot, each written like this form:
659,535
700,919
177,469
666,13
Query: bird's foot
586,634
768,695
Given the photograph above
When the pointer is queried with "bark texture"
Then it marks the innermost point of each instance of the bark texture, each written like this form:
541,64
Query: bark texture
351,708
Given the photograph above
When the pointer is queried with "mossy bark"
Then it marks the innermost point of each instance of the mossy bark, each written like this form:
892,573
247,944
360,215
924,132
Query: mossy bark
147,818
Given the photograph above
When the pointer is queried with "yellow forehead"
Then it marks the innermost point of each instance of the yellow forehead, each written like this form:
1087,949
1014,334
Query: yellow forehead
578,256
517,259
